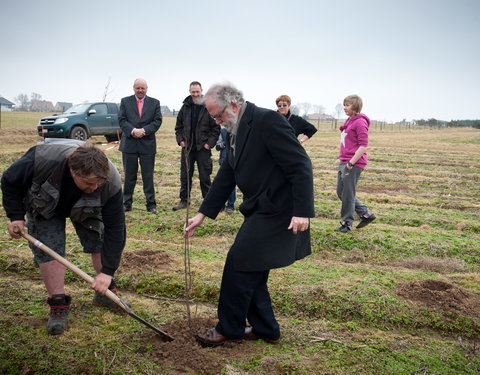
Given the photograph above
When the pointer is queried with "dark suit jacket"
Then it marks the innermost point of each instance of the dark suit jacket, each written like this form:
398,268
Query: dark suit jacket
274,173
129,119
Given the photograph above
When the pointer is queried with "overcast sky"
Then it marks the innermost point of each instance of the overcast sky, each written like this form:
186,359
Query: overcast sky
407,59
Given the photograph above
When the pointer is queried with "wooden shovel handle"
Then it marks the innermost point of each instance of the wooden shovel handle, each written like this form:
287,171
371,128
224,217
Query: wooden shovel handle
112,296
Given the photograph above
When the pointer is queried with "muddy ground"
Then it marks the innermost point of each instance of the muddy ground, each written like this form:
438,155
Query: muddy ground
185,356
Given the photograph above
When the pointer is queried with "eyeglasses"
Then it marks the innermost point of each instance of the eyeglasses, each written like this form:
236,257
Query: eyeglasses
220,114
282,105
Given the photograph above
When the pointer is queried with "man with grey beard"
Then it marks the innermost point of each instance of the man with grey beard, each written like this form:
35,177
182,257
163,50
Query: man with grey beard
274,173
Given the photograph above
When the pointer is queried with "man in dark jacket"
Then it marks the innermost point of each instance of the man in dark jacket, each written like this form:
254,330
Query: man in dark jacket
196,134
56,180
274,173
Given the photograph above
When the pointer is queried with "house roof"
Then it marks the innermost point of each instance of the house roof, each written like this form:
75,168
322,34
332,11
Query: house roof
64,104
4,101
165,109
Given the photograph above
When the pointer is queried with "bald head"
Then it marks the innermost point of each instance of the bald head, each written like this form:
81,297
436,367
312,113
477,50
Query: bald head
140,88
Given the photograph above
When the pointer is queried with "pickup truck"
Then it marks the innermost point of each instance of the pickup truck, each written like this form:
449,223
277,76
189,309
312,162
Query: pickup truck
82,121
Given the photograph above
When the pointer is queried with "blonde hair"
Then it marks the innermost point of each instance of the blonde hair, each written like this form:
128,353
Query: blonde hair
355,101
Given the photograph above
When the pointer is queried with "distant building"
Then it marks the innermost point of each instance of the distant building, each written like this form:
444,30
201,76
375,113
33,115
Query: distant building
320,117
165,110
6,105
62,106
42,106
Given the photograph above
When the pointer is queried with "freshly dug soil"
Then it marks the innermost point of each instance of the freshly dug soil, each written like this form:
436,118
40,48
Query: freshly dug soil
440,296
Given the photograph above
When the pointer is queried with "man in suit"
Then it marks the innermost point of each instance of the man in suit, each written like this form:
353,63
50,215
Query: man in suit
196,134
274,173
140,117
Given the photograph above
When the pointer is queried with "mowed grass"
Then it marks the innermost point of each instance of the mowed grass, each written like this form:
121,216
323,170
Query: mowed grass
21,120
340,309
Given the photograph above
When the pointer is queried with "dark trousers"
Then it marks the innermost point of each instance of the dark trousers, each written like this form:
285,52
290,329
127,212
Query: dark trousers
232,198
130,167
203,158
244,296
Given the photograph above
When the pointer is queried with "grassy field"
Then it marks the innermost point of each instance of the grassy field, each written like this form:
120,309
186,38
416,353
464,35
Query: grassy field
21,120
401,296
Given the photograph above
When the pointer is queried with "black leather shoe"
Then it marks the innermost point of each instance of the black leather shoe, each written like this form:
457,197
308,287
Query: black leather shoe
152,210
344,228
366,220
212,338
180,206
127,208
249,335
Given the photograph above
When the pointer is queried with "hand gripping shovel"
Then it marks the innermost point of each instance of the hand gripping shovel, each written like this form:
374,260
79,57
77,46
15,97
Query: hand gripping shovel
89,279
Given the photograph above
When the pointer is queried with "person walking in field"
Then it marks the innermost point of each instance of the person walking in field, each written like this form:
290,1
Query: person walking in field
353,160
53,181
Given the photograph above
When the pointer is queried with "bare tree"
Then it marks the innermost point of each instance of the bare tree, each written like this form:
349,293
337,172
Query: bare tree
35,96
320,109
294,109
22,101
305,108
106,92
338,110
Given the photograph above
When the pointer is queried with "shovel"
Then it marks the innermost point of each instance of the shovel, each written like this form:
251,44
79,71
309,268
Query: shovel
112,296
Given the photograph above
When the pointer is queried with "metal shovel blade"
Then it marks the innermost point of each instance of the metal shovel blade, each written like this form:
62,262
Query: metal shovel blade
112,296
158,330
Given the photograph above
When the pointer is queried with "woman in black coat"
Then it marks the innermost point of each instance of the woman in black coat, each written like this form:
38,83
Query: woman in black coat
299,124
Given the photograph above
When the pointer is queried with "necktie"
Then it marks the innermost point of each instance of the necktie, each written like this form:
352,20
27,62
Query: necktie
139,106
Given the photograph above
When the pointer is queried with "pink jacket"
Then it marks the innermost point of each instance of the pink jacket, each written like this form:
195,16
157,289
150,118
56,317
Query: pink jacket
354,134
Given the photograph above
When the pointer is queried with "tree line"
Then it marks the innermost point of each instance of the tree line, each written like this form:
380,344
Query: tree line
24,102
452,124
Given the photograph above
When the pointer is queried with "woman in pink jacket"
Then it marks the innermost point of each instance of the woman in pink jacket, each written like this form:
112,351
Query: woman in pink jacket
353,159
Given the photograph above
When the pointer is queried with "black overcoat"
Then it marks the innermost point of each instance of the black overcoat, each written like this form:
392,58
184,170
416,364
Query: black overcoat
274,173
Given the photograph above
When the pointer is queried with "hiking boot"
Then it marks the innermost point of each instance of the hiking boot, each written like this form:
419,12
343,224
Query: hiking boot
103,300
58,320
180,206
366,220
344,228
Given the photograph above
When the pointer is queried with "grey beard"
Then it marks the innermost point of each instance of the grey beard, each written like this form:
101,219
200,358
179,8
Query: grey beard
229,126
230,123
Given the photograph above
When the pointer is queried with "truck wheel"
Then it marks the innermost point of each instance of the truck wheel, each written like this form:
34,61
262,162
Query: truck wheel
79,133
